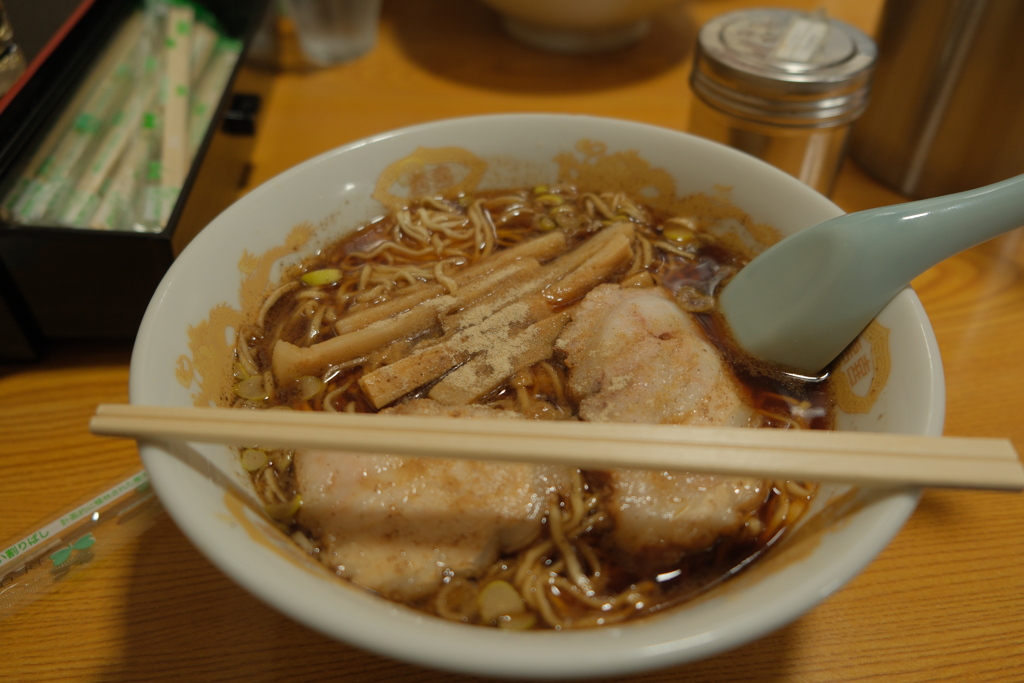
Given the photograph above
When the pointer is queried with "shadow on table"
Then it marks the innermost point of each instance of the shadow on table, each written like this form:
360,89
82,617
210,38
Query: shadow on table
462,40
186,621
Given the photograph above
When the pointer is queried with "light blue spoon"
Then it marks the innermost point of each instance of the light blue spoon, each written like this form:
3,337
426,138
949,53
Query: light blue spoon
801,302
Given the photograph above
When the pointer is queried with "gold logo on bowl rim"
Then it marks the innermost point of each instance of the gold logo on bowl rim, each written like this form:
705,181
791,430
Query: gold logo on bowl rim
863,370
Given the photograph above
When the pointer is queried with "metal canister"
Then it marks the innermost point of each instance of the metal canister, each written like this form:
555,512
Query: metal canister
784,86
947,112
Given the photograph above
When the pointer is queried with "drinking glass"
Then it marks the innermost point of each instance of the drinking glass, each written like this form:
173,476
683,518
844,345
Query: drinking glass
335,31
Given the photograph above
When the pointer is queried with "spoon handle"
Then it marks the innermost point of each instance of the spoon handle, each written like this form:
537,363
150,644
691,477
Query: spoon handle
913,237
801,302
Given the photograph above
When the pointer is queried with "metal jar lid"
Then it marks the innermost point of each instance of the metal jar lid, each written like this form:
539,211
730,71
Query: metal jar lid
784,67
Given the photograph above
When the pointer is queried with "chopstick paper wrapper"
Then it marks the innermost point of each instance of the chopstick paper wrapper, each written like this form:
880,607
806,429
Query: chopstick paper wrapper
34,563
853,457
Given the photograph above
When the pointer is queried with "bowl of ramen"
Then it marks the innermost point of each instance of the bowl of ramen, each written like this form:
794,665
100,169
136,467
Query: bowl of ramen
507,268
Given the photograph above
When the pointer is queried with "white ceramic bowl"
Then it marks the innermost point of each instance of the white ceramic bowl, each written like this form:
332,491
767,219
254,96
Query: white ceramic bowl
578,26
895,384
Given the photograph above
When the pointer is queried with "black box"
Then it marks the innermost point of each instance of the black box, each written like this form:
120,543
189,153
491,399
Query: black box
59,282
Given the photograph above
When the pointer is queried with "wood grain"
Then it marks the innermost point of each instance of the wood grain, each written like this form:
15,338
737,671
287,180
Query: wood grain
945,601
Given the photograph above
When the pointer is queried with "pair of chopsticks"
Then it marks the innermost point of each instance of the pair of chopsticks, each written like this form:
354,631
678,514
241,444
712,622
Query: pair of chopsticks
804,455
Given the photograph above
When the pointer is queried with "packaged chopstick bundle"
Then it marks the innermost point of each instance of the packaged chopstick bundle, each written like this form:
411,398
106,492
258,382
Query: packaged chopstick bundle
50,174
119,154
93,178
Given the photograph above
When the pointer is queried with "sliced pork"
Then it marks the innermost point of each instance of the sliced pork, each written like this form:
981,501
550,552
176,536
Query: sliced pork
635,356
396,524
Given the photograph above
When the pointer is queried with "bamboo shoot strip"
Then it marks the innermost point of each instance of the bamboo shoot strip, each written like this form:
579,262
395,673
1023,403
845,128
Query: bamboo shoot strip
550,274
598,268
486,371
803,455
290,361
561,267
524,280
472,294
541,248
483,327
385,385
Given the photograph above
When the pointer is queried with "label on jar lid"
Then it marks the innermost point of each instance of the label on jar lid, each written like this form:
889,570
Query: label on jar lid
802,39
780,40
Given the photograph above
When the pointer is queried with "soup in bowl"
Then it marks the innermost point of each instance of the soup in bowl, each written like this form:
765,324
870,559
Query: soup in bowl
512,267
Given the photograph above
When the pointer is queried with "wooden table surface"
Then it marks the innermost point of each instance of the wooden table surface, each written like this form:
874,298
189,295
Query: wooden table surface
945,601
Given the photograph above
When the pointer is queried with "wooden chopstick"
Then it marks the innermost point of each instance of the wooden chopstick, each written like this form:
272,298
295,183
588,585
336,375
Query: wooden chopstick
853,457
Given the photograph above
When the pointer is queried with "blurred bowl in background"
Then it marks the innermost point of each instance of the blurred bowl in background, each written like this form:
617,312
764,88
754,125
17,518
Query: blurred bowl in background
578,26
